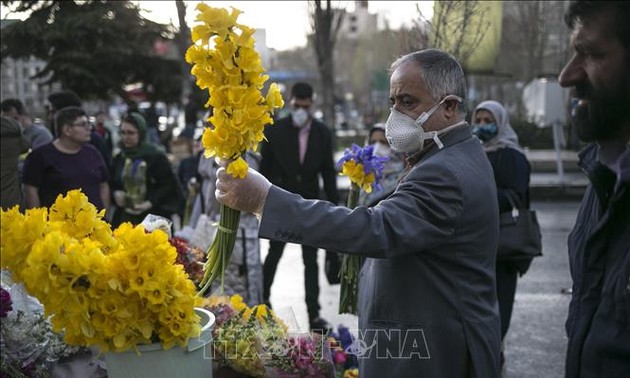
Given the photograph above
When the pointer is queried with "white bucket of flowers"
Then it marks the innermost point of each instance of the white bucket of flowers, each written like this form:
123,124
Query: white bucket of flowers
193,360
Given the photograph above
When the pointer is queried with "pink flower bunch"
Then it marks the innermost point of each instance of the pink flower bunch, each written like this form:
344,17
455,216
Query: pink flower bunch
192,258
5,303
304,356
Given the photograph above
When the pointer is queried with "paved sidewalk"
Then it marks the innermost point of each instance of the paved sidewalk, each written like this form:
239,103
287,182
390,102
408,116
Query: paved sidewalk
287,292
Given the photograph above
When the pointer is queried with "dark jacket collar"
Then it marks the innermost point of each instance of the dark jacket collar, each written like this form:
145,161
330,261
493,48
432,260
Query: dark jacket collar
602,178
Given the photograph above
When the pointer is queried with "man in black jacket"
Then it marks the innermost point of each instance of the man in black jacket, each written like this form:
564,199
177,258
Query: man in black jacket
297,151
598,326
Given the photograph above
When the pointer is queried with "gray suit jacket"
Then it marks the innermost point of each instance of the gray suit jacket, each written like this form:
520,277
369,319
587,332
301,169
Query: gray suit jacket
427,298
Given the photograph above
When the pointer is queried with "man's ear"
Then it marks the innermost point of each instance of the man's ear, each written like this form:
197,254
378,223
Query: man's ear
451,108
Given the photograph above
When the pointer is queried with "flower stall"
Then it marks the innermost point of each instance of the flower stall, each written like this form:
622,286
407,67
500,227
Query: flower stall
128,293
115,291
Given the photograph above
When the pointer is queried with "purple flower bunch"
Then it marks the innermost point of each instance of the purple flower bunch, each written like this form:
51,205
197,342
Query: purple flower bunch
371,163
341,349
5,303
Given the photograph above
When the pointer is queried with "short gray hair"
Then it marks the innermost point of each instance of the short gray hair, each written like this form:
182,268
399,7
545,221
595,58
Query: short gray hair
440,71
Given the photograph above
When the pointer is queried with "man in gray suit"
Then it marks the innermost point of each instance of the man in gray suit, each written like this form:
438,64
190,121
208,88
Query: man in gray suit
427,298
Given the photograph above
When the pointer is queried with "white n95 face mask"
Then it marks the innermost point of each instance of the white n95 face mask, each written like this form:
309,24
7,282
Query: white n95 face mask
407,135
299,117
381,149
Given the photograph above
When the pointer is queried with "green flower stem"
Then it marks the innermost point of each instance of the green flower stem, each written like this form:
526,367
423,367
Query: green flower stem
353,196
190,201
220,251
350,266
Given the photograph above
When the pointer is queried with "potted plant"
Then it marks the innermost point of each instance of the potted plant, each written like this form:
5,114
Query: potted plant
120,291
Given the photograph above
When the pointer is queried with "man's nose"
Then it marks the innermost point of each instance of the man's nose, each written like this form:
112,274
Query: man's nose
572,73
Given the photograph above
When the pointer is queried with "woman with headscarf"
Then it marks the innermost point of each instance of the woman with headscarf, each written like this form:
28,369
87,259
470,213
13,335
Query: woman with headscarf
143,180
491,125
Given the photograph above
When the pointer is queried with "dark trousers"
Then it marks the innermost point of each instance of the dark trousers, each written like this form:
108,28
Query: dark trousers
311,274
506,289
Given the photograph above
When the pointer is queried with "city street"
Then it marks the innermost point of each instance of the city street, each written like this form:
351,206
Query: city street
536,343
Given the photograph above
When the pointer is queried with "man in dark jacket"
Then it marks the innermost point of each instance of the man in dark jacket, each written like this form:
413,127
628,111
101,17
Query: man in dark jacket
598,326
298,149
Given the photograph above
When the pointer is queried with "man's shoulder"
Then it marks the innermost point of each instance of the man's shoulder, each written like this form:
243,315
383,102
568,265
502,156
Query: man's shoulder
319,124
457,160
321,128
280,123
278,126
44,149
38,129
42,155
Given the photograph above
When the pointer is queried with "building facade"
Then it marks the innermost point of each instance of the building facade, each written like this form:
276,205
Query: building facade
17,81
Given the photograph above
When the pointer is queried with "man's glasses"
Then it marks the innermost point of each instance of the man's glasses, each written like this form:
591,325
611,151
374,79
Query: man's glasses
82,124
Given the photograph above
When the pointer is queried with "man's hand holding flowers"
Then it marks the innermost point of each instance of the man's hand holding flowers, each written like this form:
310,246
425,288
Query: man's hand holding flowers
247,194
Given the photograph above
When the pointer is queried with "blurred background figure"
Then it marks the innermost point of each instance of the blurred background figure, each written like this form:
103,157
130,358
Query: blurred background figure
62,99
296,153
35,134
102,129
13,145
187,169
392,169
190,118
152,120
491,125
69,162
143,180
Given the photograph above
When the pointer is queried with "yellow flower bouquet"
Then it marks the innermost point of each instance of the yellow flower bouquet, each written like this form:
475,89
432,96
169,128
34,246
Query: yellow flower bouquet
112,289
255,342
243,335
227,65
365,170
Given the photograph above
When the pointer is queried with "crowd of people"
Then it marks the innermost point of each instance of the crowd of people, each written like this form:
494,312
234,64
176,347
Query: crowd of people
428,240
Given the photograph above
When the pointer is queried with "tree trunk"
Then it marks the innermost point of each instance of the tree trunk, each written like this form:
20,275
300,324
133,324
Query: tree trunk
326,25
182,43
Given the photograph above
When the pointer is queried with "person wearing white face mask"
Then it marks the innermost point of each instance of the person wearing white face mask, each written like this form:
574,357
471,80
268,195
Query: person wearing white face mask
427,302
296,153
392,168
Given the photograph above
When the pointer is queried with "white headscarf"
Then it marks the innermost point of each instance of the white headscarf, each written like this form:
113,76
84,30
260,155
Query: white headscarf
506,137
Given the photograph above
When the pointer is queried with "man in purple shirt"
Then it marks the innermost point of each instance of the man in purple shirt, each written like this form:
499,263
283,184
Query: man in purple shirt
68,162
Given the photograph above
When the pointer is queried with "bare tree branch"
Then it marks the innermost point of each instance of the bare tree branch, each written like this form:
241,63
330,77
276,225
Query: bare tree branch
325,24
458,27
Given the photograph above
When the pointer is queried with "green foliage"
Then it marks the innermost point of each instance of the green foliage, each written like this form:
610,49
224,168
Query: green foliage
532,136
94,47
